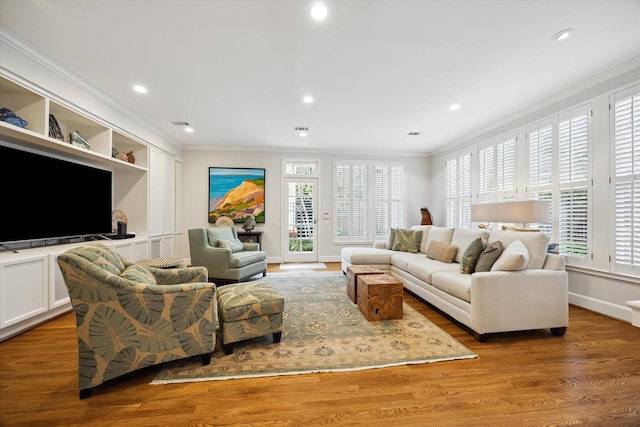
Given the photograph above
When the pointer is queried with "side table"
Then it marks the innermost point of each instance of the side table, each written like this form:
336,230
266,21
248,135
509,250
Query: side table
380,297
250,237
353,271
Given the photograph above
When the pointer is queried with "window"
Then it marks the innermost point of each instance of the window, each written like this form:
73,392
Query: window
626,180
458,191
559,171
540,185
573,184
497,161
370,197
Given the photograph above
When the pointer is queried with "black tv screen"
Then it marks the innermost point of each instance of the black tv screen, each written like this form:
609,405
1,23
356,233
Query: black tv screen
47,198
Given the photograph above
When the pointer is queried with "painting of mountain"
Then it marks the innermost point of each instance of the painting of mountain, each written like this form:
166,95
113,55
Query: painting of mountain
236,193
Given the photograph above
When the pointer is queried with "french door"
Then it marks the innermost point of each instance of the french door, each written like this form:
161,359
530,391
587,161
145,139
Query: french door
300,220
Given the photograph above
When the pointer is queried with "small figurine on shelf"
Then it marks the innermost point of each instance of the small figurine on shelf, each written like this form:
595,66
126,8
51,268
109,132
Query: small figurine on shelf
249,223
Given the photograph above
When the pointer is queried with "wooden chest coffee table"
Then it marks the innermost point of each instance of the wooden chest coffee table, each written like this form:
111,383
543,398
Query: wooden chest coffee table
380,297
353,271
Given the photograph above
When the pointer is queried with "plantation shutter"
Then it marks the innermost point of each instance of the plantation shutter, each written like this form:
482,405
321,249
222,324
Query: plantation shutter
626,130
390,197
540,139
370,197
573,184
458,191
497,163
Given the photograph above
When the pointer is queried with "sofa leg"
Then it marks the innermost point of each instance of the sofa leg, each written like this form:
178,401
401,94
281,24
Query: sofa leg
206,359
559,331
277,336
480,337
264,273
85,392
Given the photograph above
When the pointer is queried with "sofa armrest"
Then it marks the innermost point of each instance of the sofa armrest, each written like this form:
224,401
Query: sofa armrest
251,246
519,300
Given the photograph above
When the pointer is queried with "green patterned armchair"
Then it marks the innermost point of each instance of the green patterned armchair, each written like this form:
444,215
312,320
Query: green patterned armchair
129,317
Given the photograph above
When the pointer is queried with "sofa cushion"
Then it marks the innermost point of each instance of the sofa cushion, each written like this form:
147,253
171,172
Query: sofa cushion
453,283
240,259
442,252
425,235
234,244
424,268
439,234
358,255
216,233
462,237
471,255
489,256
138,274
407,240
515,257
536,242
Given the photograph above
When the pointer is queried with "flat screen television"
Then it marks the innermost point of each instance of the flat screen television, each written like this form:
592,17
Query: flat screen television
46,198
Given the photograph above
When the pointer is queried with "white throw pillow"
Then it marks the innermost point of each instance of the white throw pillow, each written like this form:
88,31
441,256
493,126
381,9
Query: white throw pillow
515,257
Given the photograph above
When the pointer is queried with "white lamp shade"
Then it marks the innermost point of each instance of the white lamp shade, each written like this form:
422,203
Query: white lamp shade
525,211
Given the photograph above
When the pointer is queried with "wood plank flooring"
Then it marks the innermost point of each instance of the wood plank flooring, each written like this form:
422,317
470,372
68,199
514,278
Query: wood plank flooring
589,377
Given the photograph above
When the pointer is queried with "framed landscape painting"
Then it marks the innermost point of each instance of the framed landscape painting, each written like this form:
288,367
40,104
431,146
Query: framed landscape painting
236,193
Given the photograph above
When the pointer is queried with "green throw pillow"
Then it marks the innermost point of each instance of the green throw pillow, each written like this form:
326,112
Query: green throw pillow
471,255
489,256
234,244
407,240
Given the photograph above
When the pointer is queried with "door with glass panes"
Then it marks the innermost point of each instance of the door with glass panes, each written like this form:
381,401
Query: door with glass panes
301,220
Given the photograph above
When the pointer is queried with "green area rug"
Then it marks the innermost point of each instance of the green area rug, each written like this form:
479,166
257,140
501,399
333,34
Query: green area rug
323,331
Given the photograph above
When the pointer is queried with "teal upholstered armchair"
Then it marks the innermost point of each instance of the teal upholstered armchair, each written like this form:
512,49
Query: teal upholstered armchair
129,317
227,259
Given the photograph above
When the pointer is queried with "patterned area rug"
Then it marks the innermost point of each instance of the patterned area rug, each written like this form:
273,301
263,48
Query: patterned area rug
323,331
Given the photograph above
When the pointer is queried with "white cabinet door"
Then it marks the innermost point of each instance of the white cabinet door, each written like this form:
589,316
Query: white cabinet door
155,193
58,293
23,289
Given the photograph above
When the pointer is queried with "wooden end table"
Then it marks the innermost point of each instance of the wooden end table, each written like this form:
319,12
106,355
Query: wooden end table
380,297
353,271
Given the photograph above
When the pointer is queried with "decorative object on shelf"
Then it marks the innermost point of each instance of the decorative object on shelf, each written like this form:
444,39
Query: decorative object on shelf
116,217
54,128
426,216
131,158
78,140
118,155
249,223
236,193
8,116
224,221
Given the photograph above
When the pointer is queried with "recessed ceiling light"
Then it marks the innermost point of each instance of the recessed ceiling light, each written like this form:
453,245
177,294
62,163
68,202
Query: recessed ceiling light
454,107
319,12
303,134
562,35
308,99
188,129
140,89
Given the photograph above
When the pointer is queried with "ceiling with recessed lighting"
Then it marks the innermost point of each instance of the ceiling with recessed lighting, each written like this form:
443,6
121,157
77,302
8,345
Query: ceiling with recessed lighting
238,71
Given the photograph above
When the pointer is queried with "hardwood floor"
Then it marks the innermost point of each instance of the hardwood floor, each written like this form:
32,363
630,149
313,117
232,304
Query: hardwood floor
590,377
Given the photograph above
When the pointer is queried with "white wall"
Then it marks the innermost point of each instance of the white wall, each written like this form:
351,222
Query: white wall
594,288
195,190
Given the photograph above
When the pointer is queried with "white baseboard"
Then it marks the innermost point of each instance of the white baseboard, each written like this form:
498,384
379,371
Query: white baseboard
602,307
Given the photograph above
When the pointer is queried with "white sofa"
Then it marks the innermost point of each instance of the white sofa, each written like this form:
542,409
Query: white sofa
534,297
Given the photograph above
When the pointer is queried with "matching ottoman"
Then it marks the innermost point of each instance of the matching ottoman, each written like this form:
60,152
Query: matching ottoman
249,310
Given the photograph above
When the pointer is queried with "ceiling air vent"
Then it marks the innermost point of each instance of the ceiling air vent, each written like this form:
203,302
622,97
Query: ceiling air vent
301,128
414,133
181,123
